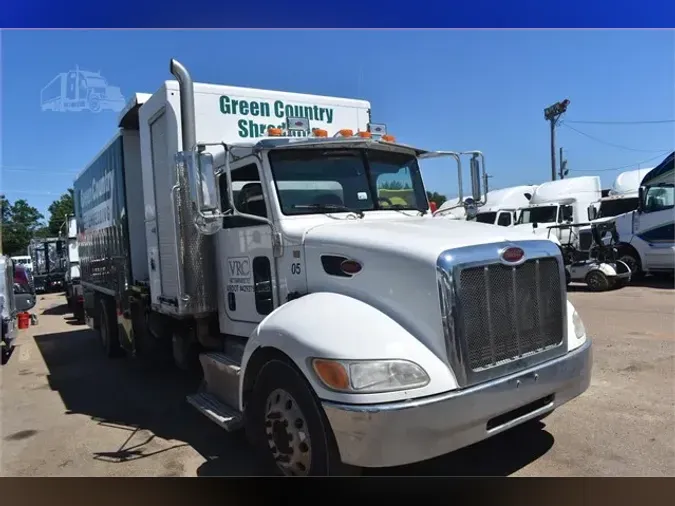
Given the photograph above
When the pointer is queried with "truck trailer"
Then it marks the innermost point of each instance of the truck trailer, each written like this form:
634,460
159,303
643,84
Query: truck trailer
242,232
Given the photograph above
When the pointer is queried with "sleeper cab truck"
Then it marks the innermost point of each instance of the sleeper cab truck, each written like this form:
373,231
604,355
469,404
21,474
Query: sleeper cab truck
338,329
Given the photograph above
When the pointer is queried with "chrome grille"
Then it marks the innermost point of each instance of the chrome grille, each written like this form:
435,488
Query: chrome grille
510,312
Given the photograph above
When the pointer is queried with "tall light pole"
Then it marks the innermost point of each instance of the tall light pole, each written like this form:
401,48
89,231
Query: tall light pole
552,114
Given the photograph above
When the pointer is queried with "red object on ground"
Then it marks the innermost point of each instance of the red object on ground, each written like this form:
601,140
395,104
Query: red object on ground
24,320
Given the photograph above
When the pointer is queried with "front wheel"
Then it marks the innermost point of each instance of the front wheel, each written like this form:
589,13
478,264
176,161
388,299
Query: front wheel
288,427
597,281
633,263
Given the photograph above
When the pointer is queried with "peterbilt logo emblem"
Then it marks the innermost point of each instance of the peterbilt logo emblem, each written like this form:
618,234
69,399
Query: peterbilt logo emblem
512,255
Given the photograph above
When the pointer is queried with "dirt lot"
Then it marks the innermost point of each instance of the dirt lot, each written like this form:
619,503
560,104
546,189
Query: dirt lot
67,411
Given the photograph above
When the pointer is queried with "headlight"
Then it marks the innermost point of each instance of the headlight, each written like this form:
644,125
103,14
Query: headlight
369,376
579,329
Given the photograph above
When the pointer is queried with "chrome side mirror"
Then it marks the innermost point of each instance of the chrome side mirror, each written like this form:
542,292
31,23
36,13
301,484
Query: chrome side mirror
197,169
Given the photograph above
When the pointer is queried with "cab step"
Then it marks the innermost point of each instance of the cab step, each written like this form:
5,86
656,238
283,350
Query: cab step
221,377
210,406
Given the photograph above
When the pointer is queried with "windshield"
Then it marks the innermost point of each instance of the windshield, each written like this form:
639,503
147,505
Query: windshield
486,217
544,214
616,207
311,181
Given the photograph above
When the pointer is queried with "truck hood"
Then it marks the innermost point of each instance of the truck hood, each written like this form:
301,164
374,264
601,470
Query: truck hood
399,258
421,238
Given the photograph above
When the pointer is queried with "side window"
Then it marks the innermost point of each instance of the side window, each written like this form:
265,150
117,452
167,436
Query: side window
248,196
504,219
262,281
565,213
659,198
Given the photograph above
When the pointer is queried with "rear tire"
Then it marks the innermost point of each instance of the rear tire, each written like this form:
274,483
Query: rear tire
597,281
108,330
288,427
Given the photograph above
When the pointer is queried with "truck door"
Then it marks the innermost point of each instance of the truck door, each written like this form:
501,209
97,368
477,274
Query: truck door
655,228
246,262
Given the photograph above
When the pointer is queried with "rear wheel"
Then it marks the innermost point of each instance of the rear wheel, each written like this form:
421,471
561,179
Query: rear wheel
288,427
597,281
108,330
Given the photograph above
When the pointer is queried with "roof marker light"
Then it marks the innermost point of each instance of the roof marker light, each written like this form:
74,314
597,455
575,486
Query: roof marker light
318,132
365,135
275,132
389,138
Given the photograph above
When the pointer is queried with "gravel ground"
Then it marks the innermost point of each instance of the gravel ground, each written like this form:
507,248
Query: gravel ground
65,410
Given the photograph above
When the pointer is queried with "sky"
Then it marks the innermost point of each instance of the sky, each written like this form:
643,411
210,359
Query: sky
435,89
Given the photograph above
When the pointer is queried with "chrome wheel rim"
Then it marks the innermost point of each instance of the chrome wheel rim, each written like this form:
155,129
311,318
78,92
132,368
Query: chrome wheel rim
287,435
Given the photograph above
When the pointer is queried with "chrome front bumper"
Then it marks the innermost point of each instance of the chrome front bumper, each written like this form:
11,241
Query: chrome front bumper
384,435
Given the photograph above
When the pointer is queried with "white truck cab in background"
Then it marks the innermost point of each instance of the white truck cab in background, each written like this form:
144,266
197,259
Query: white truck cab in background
622,196
501,206
558,202
342,328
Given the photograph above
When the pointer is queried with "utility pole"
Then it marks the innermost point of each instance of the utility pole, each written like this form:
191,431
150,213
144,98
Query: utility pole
563,165
552,114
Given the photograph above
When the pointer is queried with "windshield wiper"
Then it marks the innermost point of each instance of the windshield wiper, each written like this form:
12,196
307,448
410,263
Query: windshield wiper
401,207
329,207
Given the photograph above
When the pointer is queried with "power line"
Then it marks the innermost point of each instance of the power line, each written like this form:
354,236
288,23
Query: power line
622,167
38,171
652,122
32,192
601,141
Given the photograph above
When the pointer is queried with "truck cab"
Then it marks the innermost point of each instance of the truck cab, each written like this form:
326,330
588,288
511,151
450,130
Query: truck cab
501,206
559,202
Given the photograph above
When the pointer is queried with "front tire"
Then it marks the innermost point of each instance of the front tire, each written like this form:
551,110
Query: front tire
633,263
597,281
288,427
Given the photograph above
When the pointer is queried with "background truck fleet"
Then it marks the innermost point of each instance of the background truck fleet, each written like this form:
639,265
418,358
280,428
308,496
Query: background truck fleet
255,233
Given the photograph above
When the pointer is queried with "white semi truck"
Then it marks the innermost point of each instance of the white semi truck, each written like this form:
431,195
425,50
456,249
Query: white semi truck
501,206
341,330
622,196
560,202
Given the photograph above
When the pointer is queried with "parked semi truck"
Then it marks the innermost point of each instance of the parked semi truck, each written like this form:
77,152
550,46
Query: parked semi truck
243,231
560,202
73,289
621,198
49,260
501,206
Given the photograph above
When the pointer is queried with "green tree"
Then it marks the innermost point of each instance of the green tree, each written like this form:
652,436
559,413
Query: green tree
19,222
58,211
437,198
